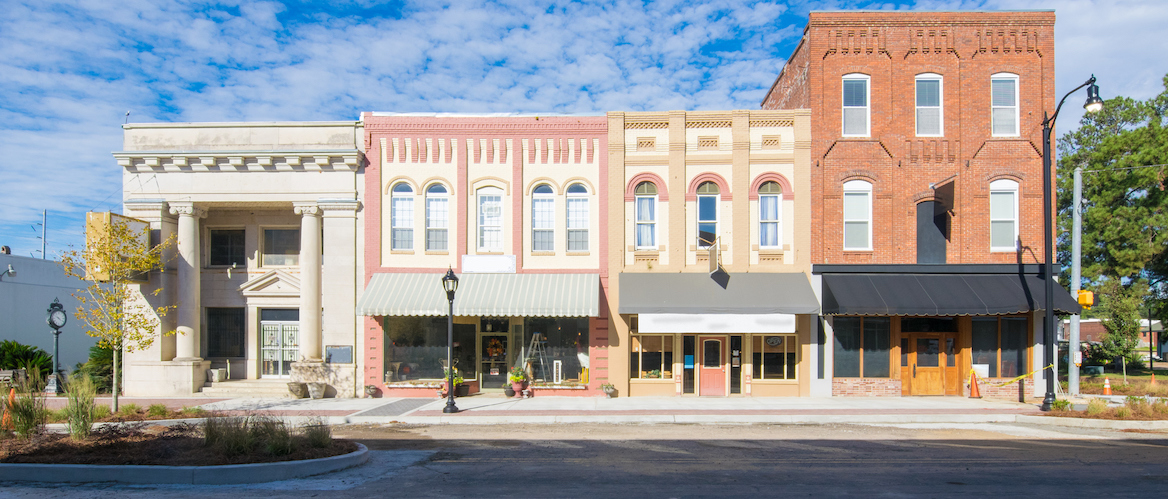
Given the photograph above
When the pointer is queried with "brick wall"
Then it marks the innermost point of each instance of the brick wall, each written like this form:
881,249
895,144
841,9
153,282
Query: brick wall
865,387
1018,391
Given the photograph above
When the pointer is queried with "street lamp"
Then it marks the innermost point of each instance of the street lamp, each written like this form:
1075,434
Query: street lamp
450,284
1093,104
56,318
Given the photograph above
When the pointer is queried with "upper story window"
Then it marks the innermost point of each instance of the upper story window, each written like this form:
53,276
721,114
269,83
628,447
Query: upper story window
1004,104
770,197
437,217
490,219
281,247
646,207
577,217
929,107
707,214
1003,215
227,248
857,216
856,112
401,217
543,216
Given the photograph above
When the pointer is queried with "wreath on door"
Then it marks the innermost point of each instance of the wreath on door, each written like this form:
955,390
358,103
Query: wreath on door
494,348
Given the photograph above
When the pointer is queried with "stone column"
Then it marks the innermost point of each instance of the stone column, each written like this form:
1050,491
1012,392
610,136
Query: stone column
189,309
310,311
339,285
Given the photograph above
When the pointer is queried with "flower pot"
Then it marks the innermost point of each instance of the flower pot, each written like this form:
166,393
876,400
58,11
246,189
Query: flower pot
316,390
509,391
298,390
462,390
609,392
371,390
517,387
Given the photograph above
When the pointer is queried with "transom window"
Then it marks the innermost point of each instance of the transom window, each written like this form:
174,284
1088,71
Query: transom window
646,207
1003,215
577,217
707,214
929,107
770,197
651,357
437,217
856,112
490,219
857,216
543,215
1004,104
402,217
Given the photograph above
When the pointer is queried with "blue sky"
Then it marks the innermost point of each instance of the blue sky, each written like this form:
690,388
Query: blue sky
69,70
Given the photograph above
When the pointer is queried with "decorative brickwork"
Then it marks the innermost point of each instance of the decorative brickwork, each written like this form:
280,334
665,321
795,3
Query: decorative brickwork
865,387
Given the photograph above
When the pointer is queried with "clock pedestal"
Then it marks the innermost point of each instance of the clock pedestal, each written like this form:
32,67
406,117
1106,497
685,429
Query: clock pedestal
54,385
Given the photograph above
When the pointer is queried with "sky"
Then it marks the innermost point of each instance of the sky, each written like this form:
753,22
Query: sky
71,70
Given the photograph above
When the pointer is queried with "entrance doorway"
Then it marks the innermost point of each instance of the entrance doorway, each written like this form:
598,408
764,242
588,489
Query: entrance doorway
712,374
928,362
493,360
279,341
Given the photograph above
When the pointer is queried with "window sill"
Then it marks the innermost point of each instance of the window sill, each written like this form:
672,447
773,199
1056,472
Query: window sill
428,252
401,252
483,252
855,250
1003,250
579,253
543,253
756,381
652,380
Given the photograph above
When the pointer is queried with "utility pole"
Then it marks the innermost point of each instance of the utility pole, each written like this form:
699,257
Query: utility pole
44,220
1076,280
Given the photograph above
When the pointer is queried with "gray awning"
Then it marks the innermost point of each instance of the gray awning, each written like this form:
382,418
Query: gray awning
939,294
699,293
498,295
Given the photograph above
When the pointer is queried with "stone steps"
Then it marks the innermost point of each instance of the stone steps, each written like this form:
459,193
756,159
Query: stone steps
248,388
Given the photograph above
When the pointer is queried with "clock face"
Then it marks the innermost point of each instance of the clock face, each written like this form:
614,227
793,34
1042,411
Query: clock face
57,319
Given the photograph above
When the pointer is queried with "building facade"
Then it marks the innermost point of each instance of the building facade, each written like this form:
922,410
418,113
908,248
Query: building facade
927,179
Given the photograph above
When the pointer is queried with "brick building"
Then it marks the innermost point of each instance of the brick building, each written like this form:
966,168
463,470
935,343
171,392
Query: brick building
926,182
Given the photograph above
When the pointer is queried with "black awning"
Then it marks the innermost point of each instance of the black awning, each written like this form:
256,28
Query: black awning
700,293
939,294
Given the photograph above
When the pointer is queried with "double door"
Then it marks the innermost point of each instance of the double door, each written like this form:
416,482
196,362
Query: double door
279,347
928,362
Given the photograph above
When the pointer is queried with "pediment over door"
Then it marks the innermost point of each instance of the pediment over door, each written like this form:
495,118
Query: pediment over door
275,283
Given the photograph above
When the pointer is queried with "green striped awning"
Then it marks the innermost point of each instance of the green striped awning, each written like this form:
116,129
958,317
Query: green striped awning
497,295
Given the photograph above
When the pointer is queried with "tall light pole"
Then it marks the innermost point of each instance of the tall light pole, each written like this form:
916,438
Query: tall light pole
1093,104
450,284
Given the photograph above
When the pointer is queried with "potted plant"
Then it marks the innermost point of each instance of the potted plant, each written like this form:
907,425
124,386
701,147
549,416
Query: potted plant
609,390
508,390
517,378
457,381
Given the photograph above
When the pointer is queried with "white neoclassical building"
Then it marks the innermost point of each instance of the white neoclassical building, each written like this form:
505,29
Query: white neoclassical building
268,261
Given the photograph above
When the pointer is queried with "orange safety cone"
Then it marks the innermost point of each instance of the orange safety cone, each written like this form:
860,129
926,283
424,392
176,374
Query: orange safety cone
1107,386
6,420
974,393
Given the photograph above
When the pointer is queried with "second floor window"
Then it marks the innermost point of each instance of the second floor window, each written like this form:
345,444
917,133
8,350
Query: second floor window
437,217
929,105
707,214
227,248
402,217
857,216
646,208
490,219
1004,104
855,110
543,216
281,247
770,196
577,218
1003,215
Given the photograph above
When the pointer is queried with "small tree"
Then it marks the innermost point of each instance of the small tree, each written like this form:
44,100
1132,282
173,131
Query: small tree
1121,319
117,256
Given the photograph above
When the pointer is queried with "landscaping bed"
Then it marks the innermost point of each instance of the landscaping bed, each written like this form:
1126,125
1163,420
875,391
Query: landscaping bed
1133,409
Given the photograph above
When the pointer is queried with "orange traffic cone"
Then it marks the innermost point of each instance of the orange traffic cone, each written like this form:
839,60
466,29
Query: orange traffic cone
1107,386
6,420
974,393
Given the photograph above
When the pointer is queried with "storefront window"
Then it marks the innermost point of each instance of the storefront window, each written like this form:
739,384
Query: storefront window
1000,344
567,342
651,357
774,357
862,345
415,348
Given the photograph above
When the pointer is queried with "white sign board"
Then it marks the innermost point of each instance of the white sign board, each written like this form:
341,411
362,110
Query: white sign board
716,323
488,264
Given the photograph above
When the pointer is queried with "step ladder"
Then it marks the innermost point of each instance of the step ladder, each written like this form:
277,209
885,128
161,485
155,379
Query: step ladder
535,352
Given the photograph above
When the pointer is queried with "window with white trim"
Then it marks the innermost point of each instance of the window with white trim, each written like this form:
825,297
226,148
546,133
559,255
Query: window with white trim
770,201
857,216
543,218
577,217
707,214
490,219
437,217
646,208
1003,215
856,111
401,217
1004,104
929,106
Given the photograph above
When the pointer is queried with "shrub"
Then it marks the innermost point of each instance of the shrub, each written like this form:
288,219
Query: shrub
1123,412
1160,407
80,411
318,433
275,435
102,411
194,412
15,355
1096,407
228,434
157,410
129,410
99,367
1061,405
28,410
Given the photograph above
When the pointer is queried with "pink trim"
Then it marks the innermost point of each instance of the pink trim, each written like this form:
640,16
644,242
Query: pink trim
460,242
788,192
631,188
723,190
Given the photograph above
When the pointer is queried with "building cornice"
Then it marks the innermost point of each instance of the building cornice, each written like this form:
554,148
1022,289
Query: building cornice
240,161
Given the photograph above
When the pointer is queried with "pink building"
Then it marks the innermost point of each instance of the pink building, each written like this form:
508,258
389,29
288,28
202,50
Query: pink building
515,205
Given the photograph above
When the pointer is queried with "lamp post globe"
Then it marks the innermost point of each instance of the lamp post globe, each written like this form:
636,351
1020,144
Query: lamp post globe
450,285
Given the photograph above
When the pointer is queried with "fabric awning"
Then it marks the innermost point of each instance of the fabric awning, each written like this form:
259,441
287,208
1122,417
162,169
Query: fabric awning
495,295
700,293
938,294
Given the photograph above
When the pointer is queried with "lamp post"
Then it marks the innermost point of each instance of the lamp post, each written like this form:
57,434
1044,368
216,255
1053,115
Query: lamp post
1093,104
450,284
56,318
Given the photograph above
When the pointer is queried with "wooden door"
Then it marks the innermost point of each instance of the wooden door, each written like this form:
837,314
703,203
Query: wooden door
712,374
926,364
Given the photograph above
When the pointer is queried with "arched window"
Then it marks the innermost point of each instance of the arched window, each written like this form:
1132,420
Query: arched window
1003,215
490,219
577,217
707,214
857,216
401,217
646,207
543,218
770,198
437,217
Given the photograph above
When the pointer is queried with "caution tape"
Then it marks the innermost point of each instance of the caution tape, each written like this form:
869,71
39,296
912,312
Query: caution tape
974,373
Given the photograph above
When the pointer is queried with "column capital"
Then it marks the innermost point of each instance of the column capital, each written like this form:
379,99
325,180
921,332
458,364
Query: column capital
306,209
188,209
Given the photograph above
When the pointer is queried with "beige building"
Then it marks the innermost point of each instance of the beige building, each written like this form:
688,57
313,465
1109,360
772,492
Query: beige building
709,237
267,266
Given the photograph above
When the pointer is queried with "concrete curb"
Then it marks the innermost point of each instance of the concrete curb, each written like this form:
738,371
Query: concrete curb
193,475
701,419
1108,424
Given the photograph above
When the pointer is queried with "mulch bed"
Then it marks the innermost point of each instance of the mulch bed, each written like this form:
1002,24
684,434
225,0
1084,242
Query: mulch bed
146,445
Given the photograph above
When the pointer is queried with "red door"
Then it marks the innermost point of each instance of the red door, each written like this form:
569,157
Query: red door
713,371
